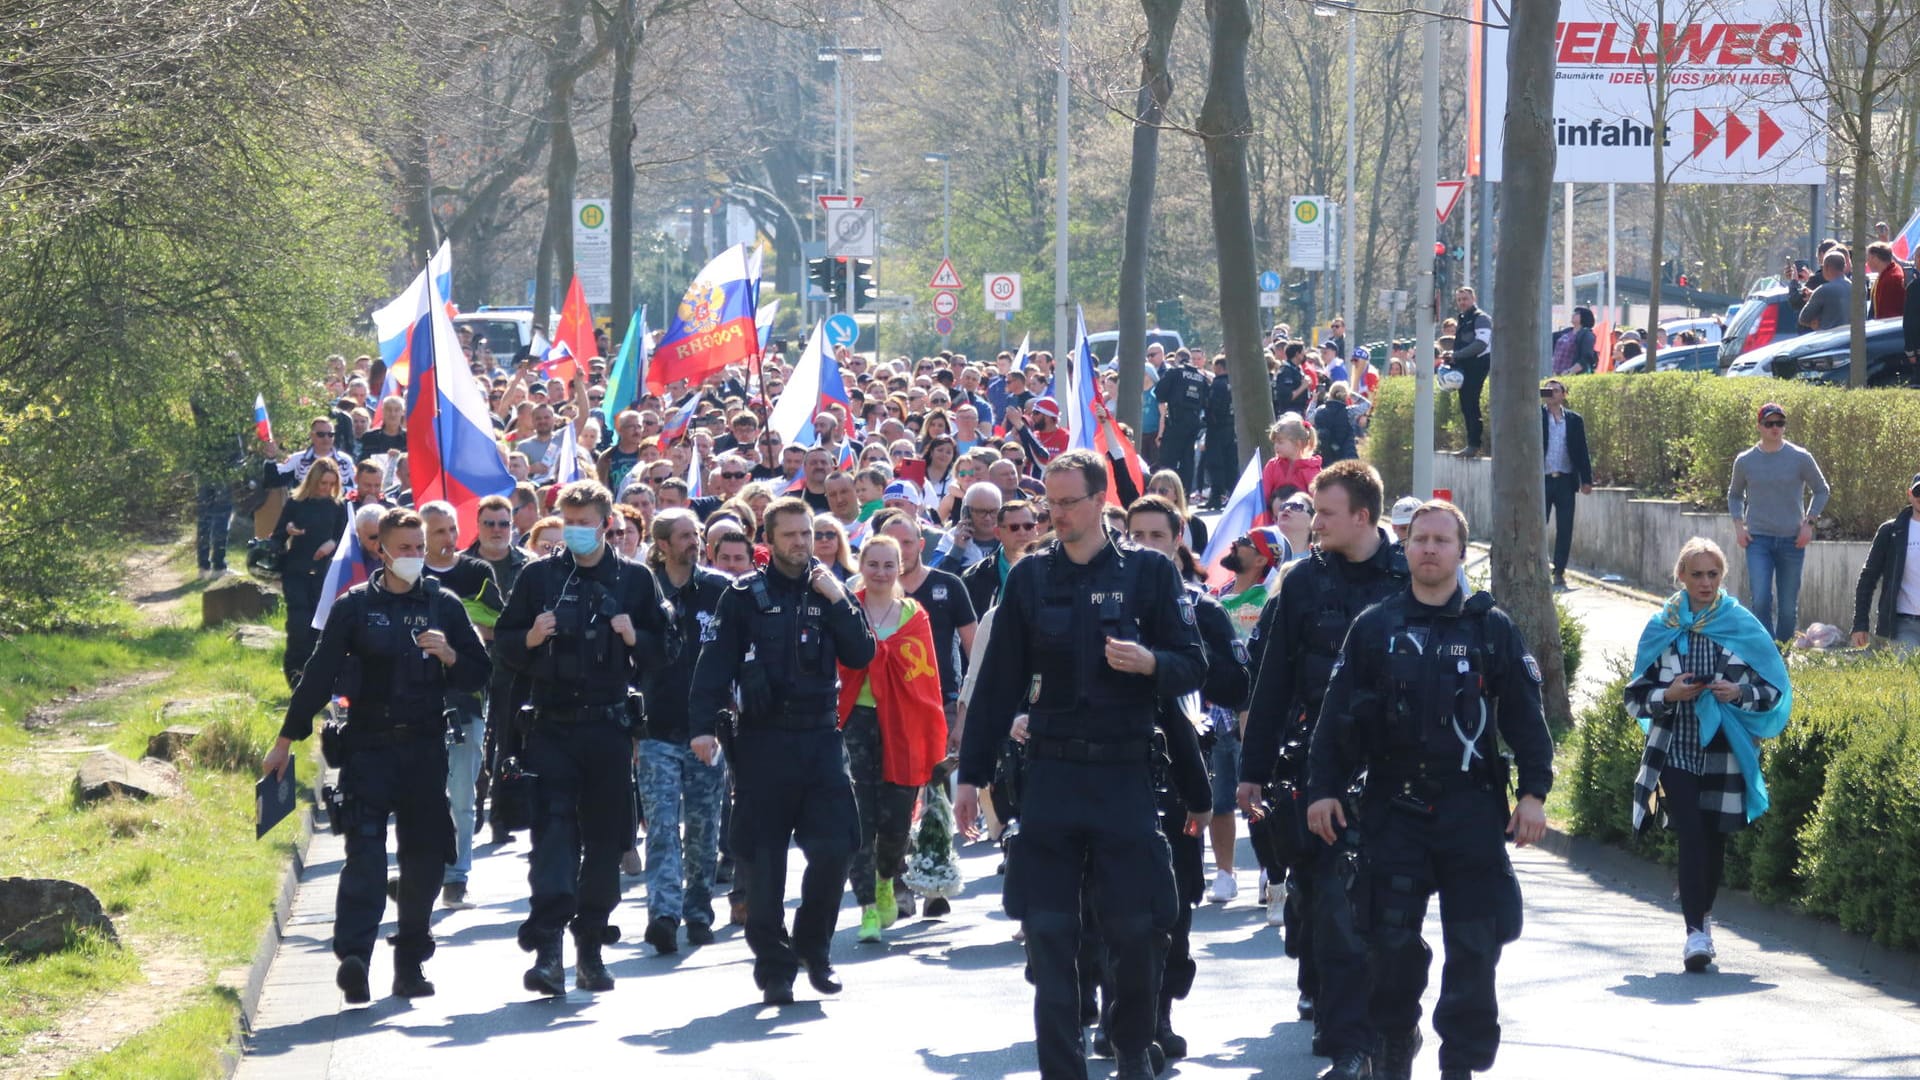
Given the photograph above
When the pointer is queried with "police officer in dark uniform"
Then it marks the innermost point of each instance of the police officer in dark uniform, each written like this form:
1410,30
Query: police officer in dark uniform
1182,391
584,626
1423,682
1222,460
777,634
1093,634
1301,628
1182,782
394,646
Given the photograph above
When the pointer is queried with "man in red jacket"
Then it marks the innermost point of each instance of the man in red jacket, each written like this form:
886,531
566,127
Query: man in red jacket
1890,287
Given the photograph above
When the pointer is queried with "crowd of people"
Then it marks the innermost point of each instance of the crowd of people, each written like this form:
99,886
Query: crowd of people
698,643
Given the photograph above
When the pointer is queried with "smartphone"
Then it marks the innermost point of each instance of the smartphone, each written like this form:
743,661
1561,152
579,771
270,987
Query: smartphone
913,469
1800,266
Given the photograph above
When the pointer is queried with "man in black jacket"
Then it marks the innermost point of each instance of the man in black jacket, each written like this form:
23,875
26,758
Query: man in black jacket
1473,359
1892,566
1567,466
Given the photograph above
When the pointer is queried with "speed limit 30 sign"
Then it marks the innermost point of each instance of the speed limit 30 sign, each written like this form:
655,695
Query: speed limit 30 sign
1002,292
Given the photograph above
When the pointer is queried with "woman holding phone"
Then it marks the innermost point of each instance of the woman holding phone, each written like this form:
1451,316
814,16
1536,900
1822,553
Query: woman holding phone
1709,685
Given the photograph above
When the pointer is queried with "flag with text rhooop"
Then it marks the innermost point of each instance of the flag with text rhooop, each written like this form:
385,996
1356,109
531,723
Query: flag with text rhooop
713,326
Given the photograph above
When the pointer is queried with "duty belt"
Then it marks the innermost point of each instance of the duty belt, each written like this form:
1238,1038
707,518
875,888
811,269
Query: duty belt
1427,786
367,732
1090,752
571,715
795,719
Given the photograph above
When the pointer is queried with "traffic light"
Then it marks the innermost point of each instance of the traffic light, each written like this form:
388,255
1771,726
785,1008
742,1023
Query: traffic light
864,290
826,276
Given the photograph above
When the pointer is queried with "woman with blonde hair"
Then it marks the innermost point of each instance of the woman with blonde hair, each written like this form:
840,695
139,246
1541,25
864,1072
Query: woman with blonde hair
1167,484
830,546
1294,463
310,527
895,727
1708,685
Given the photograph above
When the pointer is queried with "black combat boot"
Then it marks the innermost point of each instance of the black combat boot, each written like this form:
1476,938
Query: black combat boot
589,971
547,975
352,980
1137,1065
409,981
663,934
1397,1054
1171,1043
1348,1065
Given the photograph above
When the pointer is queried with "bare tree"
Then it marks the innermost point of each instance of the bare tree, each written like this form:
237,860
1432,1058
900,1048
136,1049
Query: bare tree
568,59
1225,122
1156,87
1520,556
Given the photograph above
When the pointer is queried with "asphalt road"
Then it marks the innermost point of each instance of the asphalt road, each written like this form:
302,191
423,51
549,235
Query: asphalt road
1593,989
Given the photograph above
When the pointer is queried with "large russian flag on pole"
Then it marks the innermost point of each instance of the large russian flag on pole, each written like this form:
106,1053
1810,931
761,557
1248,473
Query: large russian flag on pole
1242,514
393,324
1077,391
713,326
451,452
350,566
815,382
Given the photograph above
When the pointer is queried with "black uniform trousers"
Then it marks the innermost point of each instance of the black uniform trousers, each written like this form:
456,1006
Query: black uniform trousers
1323,937
1221,464
407,780
1178,440
1473,372
302,595
1178,969
791,786
1460,852
1090,829
583,821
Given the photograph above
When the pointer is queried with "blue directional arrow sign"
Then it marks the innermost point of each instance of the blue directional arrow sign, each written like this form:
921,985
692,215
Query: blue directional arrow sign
842,330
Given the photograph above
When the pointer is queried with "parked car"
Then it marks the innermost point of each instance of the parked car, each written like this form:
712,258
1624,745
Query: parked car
1758,363
507,330
1708,328
1826,356
1763,320
1107,342
1677,358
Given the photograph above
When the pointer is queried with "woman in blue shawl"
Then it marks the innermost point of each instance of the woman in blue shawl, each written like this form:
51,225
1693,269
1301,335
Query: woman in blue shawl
1709,685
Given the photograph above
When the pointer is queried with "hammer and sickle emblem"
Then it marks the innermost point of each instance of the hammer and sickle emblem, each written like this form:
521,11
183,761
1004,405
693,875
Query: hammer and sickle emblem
917,664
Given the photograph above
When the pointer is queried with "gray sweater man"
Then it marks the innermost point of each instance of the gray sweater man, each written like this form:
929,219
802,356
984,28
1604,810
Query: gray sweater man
1776,493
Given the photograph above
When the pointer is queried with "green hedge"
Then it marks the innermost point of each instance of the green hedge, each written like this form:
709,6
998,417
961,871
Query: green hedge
1842,839
1675,434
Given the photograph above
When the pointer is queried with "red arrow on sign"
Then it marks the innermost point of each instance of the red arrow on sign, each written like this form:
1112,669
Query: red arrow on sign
1704,132
1769,134
1737,133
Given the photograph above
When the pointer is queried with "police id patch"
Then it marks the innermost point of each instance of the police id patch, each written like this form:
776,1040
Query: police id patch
709,626
1240,655
1186,610
1533,666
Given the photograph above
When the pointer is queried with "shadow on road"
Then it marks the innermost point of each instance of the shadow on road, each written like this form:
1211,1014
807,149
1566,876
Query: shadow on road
1680,988
976,1064
748,1023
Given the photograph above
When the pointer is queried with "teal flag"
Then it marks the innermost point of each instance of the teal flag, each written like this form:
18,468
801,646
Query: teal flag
629,368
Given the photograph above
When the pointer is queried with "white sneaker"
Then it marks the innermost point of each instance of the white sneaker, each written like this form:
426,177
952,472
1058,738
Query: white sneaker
1276,905
1225,888
1264,886
1698,952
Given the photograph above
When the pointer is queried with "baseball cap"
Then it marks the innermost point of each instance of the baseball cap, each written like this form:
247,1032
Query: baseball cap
901,489
1271,545
1046,406
1914,488
1403,510
1361,353
1771,409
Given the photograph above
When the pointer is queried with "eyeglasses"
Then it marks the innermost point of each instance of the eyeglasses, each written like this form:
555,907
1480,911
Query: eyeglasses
733,475
1296,508
615,534
323,434
1068,504
1773,423
1019,526
983,509
496,524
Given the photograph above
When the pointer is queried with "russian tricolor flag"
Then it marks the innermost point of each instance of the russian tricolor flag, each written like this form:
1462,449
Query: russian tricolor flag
815,383
714,324
1020,358
1238,519
1077,391
1907,241
393,324
262,426
451,453
696,480
681,420
351,565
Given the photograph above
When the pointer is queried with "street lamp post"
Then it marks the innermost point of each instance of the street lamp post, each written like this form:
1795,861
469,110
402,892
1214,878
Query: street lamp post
1347,306
837,54
946,214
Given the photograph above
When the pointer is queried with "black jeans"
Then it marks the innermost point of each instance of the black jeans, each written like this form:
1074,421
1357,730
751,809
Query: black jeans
583,823
791,787
1703,847
302,593
214,511
1475,373
1221,463
1561,490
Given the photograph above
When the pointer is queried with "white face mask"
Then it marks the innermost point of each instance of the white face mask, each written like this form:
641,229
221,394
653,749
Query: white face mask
408,569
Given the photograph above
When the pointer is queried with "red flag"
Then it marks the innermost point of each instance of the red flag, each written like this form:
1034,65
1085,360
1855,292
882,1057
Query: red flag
575,332
1105,439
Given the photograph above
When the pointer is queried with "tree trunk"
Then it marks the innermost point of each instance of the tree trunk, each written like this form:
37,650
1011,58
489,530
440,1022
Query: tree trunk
417,183
1520,555
1225,123
1156,87
1857,217
565,65
626,31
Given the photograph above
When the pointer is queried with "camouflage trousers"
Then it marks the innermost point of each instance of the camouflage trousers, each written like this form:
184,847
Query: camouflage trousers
677,792
886,810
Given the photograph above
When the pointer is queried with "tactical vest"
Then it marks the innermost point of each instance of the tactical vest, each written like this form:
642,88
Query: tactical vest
1330,612
583,637
1441,709
384,667
1108,706
800,663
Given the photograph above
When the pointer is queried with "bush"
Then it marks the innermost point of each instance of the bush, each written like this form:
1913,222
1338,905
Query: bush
1571,635
1842,837
1675,434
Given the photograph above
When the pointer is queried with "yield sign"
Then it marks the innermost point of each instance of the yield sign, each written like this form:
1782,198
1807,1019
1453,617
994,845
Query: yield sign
1446,194
945,278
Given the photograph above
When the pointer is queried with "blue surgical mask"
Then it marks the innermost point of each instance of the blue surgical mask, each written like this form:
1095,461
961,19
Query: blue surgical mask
580,539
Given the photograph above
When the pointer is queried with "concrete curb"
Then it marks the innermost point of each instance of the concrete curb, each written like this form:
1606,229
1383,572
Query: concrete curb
263,954
1846,953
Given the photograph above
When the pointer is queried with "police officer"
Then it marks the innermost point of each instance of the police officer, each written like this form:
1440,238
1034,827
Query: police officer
1092,635
584,626
1222,460
778,633
1182,392
1354,566
1187,791
394,646
1422,683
